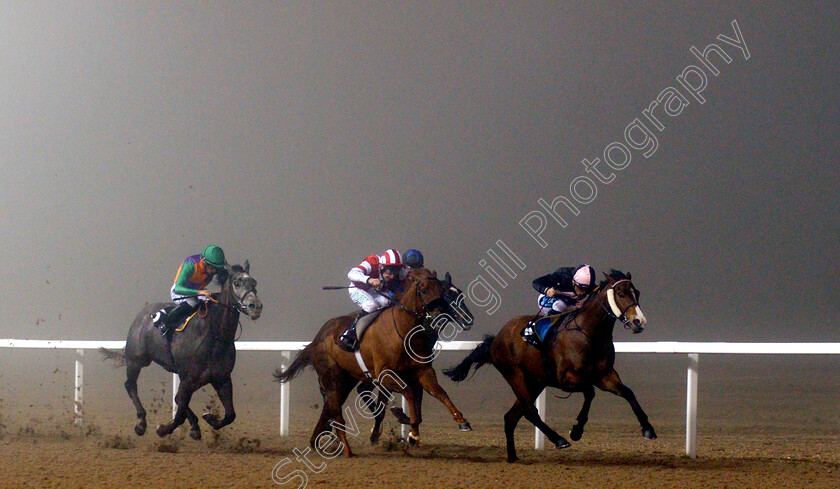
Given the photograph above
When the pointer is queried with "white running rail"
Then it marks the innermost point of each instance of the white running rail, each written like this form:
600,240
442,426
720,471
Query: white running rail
286,348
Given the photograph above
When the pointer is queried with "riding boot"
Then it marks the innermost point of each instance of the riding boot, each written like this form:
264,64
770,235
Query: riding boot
169,323
529,333
348,340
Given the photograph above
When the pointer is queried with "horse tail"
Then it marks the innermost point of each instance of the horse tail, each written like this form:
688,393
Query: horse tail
117,356
303,360
479,357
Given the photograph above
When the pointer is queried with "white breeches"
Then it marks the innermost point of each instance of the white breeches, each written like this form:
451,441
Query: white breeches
368,301
178,298
550,305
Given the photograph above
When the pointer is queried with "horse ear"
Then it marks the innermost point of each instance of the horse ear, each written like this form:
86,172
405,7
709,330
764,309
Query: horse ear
628,275
246,266
448,279
609,279
434,273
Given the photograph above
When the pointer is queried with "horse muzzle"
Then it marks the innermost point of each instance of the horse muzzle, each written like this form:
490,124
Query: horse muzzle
637,323
252,308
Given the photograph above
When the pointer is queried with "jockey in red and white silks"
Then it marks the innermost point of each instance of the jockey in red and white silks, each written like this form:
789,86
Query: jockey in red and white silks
382,273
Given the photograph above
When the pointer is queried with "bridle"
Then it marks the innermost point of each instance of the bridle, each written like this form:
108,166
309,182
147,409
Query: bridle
613,310
423,312
239,307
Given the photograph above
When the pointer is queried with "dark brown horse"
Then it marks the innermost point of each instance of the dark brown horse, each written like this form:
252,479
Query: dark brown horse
391,360
203,353
577,358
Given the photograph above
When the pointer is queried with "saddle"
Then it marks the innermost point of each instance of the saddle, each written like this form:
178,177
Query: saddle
159,317
541,330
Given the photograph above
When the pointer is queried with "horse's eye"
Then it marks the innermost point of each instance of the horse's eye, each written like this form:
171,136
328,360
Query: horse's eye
237,283
621,294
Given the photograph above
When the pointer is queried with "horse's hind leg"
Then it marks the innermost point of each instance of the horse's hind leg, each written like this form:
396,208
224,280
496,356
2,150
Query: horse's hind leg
512,418
520,408
583,416
335,392
182,400
526,394
132,372
224,389
612,383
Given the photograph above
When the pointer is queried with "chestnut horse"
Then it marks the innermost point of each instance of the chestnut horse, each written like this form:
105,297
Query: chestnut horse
386,354
577,358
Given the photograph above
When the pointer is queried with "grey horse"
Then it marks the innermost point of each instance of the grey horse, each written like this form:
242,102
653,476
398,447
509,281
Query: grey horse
202,353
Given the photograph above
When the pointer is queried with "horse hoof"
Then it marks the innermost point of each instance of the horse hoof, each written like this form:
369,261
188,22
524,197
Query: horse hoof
161,431
649,434
413,440
195,435
211,419
562,443
465,426
512,459
576,433
140,429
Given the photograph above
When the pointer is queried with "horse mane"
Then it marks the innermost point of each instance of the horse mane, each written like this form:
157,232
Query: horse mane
222,275
615,275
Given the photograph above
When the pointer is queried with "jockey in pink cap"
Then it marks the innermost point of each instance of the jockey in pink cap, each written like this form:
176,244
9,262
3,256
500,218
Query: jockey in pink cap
563,288
559,291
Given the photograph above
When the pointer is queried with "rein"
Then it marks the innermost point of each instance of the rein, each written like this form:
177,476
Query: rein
424,314
239,308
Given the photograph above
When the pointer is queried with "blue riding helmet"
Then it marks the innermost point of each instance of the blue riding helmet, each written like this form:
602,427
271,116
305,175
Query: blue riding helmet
413,258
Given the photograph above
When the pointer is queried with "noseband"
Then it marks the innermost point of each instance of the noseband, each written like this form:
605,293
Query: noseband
613,309
240,307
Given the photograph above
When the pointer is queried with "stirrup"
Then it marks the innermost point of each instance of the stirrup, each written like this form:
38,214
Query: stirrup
529,335
348,341
166,330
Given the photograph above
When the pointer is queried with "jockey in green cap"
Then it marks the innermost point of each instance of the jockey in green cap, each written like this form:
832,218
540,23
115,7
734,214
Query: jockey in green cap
194,274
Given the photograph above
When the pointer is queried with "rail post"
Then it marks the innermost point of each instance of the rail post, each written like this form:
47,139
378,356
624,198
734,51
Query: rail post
78,392
691,406
285,360
176,384
539,438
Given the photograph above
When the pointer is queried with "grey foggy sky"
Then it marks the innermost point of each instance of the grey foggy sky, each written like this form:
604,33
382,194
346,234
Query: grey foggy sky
304,136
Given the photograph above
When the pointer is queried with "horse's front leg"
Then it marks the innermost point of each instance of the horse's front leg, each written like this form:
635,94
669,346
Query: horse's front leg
195,430
583,416
428,380
612,383
224,389
182,401
414,396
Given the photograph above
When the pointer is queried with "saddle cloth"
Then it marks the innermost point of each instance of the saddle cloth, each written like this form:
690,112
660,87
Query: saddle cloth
547,326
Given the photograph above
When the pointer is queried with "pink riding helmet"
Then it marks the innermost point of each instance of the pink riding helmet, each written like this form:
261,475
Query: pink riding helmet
584,276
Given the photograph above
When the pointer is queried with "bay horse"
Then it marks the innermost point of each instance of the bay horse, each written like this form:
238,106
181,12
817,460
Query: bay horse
385,353
203,353
577,358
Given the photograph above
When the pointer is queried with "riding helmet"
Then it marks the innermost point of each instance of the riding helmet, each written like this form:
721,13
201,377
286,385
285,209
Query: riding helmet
413,259
214,256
